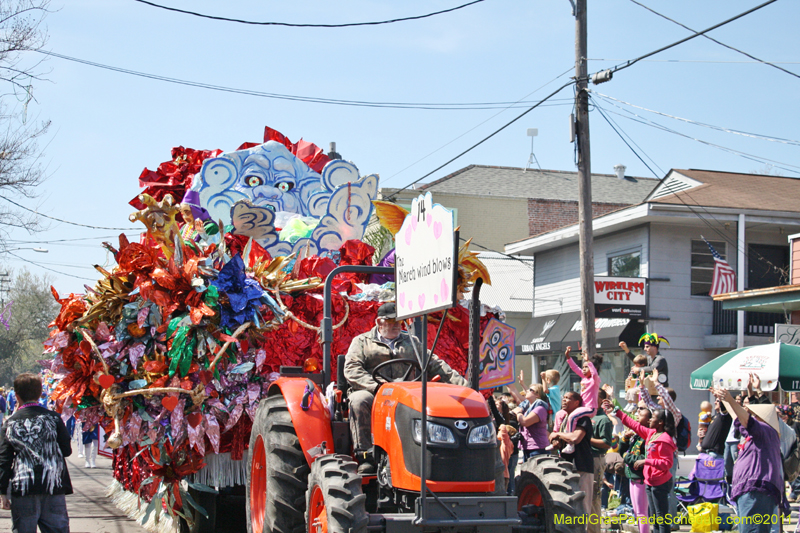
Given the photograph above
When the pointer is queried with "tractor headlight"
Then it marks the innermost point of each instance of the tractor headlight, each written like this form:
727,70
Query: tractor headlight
436,434
482,434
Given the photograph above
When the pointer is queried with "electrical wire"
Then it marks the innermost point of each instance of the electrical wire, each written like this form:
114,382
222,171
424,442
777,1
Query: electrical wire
680,195
507,124
696,61
55,241
703,124
612,121
613,127
61,219
716,41
745,155
287,24
384,182
632,62
48,268
428,106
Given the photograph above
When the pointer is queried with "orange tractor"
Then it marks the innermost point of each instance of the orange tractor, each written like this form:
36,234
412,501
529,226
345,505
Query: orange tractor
435,446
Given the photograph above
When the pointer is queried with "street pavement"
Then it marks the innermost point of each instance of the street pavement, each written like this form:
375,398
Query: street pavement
91,511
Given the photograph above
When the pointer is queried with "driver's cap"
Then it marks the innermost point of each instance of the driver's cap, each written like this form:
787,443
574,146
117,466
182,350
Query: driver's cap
387,310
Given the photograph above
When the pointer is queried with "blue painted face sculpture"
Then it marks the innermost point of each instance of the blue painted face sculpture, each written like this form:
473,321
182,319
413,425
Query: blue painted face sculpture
248,187
273,177
268,175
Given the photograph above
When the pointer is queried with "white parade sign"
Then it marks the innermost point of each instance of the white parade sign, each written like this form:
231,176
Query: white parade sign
425,259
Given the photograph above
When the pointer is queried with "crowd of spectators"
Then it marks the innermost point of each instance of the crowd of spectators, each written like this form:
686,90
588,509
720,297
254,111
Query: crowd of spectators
629,454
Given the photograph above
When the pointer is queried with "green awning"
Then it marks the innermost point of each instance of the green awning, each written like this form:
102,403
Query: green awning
774,363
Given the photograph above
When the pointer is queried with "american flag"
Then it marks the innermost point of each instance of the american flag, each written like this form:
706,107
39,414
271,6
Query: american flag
724,276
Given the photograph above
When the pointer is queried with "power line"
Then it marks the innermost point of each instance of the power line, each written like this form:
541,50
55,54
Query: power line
613,127
632,62
697,61
680,194
477,126
48,268
55,241
287,24
703,124
501,128
431,106
773,65
744,155
60,219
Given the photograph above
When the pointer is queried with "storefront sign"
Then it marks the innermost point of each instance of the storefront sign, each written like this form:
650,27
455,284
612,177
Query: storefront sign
426,262
787,333
538,343
620,297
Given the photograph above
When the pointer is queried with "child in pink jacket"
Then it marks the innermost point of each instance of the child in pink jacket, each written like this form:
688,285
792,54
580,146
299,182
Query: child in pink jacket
660,449
590,383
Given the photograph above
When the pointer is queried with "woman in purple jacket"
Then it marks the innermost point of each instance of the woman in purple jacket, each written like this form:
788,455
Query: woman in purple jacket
758,471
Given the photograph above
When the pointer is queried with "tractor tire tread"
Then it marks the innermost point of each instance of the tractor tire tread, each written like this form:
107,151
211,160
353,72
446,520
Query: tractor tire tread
559,487
345,503
287,470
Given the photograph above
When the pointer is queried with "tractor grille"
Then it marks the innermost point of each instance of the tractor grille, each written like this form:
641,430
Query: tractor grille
450,462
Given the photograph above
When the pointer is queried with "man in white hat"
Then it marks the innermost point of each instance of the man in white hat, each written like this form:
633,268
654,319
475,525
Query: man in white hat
758,472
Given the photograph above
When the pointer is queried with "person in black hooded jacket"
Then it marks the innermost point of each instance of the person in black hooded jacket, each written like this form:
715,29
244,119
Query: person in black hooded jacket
33,444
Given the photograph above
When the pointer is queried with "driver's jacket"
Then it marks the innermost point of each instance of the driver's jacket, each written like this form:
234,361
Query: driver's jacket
366,352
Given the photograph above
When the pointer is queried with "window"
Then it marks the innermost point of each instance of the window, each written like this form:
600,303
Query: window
625,265
703,265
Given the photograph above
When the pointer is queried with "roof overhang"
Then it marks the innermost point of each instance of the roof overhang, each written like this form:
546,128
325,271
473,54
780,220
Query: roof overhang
649,213
769,300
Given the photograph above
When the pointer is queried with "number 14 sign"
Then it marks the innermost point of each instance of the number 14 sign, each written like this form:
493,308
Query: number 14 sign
426,262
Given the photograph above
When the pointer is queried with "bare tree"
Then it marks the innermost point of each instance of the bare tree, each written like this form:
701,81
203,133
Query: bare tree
21,172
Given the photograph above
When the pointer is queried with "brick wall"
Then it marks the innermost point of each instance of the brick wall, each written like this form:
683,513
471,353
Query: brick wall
794,261
547,215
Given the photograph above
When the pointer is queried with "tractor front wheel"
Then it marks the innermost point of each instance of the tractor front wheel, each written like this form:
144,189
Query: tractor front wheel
278,473
334,501
548,492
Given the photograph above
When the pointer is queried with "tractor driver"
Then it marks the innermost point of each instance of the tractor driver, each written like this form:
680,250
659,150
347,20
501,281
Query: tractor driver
382,343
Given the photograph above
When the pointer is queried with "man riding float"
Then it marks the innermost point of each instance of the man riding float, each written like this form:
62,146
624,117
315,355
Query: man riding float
385,342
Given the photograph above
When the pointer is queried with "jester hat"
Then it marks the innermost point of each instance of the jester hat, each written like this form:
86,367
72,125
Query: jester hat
652,338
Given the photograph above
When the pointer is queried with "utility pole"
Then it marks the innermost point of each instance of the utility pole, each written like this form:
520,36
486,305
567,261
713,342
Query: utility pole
584,179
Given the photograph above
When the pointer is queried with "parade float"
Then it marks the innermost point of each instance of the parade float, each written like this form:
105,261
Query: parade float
173,348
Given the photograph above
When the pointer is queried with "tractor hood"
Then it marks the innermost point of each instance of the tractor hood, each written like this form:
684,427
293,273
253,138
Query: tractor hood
444,400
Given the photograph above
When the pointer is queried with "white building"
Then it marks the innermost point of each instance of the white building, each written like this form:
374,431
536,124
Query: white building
746,217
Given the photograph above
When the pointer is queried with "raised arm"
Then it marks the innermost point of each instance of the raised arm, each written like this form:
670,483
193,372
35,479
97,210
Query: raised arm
572,364
669,405
742,414
640,430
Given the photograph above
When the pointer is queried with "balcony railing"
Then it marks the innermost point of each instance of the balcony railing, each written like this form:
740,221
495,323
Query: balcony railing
755,324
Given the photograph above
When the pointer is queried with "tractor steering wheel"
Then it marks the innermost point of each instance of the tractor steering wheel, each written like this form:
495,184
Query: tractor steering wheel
412,364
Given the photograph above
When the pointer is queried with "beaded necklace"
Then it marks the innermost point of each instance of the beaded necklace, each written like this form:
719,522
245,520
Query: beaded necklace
29,404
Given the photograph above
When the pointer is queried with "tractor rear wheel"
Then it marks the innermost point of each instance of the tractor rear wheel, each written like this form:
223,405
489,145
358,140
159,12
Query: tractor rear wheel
278,473
548,491
335,502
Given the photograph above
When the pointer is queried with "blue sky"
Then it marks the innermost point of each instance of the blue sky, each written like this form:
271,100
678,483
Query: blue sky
108,126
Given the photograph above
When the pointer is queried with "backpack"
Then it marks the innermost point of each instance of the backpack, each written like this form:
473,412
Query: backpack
684,434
